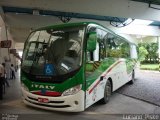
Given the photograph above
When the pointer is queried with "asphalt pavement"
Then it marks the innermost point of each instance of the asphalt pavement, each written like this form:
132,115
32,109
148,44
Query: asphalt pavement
146,87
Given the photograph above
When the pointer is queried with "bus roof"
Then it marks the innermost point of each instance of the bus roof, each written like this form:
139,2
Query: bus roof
63,25
72,25
80,24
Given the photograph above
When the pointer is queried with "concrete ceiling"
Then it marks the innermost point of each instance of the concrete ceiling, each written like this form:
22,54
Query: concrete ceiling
22,15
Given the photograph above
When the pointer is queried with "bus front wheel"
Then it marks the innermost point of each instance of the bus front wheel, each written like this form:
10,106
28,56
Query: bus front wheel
107,93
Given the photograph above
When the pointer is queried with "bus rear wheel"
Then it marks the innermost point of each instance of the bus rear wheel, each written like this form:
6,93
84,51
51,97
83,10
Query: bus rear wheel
133,78
107,93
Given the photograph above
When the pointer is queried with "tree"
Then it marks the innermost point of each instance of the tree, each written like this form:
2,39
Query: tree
142,53
152,49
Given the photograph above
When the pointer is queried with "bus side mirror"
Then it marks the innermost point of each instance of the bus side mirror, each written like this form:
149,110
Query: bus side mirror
91,41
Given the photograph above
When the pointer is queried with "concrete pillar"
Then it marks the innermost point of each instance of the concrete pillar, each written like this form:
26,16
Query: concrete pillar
4,52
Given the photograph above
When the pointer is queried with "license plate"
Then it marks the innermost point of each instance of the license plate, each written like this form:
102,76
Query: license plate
43,100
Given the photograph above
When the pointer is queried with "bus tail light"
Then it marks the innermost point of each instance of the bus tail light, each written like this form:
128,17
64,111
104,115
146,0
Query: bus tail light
72,90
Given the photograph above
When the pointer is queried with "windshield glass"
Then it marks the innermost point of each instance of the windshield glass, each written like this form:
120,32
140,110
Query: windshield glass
53,52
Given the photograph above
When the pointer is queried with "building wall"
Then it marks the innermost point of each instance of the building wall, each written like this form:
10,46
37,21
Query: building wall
149,39
4,52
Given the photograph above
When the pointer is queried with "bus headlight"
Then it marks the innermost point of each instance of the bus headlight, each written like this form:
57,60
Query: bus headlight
72,90
24,87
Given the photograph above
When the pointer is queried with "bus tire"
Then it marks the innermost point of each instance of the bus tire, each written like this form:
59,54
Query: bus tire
107,93
133,78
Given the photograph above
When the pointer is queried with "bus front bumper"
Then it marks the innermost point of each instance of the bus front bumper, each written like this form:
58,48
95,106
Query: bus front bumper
71,103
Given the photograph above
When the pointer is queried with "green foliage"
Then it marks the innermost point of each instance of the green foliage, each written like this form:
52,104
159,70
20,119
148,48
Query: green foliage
124,51
115,53
150,67
142,53
152,49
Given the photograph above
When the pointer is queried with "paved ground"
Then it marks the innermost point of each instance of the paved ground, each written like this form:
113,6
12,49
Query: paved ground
146,87
119,105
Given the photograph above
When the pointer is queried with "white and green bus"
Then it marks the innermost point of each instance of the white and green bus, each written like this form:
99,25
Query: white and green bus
69,67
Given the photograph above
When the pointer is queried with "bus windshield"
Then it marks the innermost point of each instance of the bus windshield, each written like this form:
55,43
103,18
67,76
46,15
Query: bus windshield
53,51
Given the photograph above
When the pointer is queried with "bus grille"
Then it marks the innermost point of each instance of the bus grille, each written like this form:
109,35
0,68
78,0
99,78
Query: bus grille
36,100
55,106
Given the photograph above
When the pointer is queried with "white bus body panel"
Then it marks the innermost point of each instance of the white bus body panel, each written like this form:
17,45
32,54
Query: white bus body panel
119,76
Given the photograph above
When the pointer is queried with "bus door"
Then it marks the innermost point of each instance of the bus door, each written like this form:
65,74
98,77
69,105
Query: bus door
91,72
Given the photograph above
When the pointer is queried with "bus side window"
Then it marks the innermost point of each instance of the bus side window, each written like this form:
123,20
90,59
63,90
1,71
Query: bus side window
112,49
117,47
102,45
